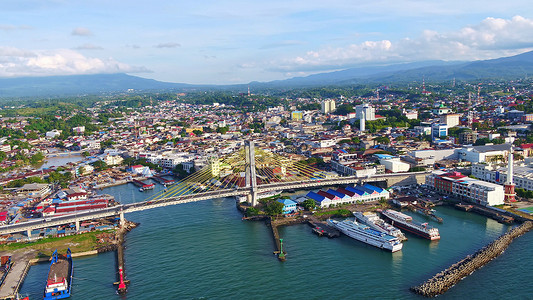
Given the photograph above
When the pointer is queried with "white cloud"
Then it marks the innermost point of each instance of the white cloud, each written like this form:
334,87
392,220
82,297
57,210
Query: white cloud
81,31
491,38
18,62
89,47
8,27
168,45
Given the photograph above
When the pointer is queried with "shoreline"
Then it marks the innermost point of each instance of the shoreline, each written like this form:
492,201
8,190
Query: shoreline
25,257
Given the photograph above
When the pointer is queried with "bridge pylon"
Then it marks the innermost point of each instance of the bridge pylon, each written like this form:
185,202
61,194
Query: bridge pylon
251,176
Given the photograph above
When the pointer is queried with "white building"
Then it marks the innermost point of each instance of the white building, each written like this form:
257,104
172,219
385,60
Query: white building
328,106
451,120
522,175
395,165
487,153
369,112
52,134
474,190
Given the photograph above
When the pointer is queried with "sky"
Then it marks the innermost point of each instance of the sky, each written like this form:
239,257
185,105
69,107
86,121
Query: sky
238,41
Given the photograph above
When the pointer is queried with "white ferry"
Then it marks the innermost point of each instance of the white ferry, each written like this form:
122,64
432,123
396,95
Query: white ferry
372,219
406,223
367,235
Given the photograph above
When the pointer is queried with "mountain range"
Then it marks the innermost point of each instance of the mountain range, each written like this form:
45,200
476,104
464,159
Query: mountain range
505,68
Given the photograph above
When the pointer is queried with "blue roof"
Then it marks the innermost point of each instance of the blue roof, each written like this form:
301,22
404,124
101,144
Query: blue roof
335,193
375,188
383,156
315,196
287,201
362,188
355,190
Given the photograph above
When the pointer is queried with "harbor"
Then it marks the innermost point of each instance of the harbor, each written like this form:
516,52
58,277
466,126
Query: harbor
219,219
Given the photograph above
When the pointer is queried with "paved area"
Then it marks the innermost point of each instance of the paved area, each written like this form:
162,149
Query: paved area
15,277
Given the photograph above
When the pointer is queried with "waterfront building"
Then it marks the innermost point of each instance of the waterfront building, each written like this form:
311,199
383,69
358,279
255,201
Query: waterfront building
289,206
522,174
348,195
463,187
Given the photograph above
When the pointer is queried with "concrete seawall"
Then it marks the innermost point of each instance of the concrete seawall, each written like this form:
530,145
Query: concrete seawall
444,280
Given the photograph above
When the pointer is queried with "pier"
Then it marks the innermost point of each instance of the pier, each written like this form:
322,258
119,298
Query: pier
444,280
322,229
163,181
142,185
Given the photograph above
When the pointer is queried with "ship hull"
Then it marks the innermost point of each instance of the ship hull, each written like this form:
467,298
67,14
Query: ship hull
410,229
370,240
64,268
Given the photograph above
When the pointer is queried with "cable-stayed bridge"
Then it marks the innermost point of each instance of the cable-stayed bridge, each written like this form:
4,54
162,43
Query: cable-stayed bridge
247,172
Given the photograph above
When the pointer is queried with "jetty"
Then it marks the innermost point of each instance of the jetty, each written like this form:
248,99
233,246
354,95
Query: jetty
142,185
322,229
444,280
163,181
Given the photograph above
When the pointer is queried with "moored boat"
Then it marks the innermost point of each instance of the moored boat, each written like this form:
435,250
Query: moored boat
59,280
367,235
406,223
372,219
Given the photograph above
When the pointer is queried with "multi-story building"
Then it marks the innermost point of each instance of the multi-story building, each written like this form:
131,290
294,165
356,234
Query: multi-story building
439,130
451,120
368,110
467,137
474,190
522,175
328,106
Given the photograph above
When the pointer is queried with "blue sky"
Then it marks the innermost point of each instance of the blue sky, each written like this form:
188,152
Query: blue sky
230,41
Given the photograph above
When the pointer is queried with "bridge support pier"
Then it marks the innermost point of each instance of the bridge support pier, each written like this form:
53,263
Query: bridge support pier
77,226
28,232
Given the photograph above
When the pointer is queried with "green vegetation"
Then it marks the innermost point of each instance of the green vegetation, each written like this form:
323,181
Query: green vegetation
524,193
341,212
46,246
273,208
309,204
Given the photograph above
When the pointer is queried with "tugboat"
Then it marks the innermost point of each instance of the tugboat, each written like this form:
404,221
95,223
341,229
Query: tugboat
59,281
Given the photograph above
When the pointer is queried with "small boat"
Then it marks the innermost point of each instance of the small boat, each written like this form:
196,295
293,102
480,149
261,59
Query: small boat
59,281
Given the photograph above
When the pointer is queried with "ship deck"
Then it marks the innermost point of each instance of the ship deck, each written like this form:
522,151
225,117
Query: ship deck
58,270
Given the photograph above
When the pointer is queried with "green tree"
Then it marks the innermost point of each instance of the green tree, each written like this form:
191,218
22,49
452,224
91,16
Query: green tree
383,140
99,165
36,158
223,130
274,208
180,172
309,204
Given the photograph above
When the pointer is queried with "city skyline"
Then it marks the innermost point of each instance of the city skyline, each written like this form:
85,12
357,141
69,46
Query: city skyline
226,42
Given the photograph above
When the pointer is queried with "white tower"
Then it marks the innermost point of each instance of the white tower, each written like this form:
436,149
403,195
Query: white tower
362,122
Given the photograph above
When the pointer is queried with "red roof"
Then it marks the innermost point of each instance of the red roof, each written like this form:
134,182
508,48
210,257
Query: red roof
526,146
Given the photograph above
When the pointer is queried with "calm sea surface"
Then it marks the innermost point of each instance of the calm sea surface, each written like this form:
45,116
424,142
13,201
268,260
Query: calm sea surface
204,251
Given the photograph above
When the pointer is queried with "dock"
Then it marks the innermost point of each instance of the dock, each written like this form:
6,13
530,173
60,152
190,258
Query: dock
15,277
322,229
163,181
142,185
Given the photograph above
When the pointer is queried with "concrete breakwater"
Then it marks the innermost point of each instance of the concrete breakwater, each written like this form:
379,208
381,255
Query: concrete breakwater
444,280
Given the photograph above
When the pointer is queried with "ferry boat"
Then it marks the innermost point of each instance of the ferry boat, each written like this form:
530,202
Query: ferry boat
59,279
367,235
406,223
372,219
